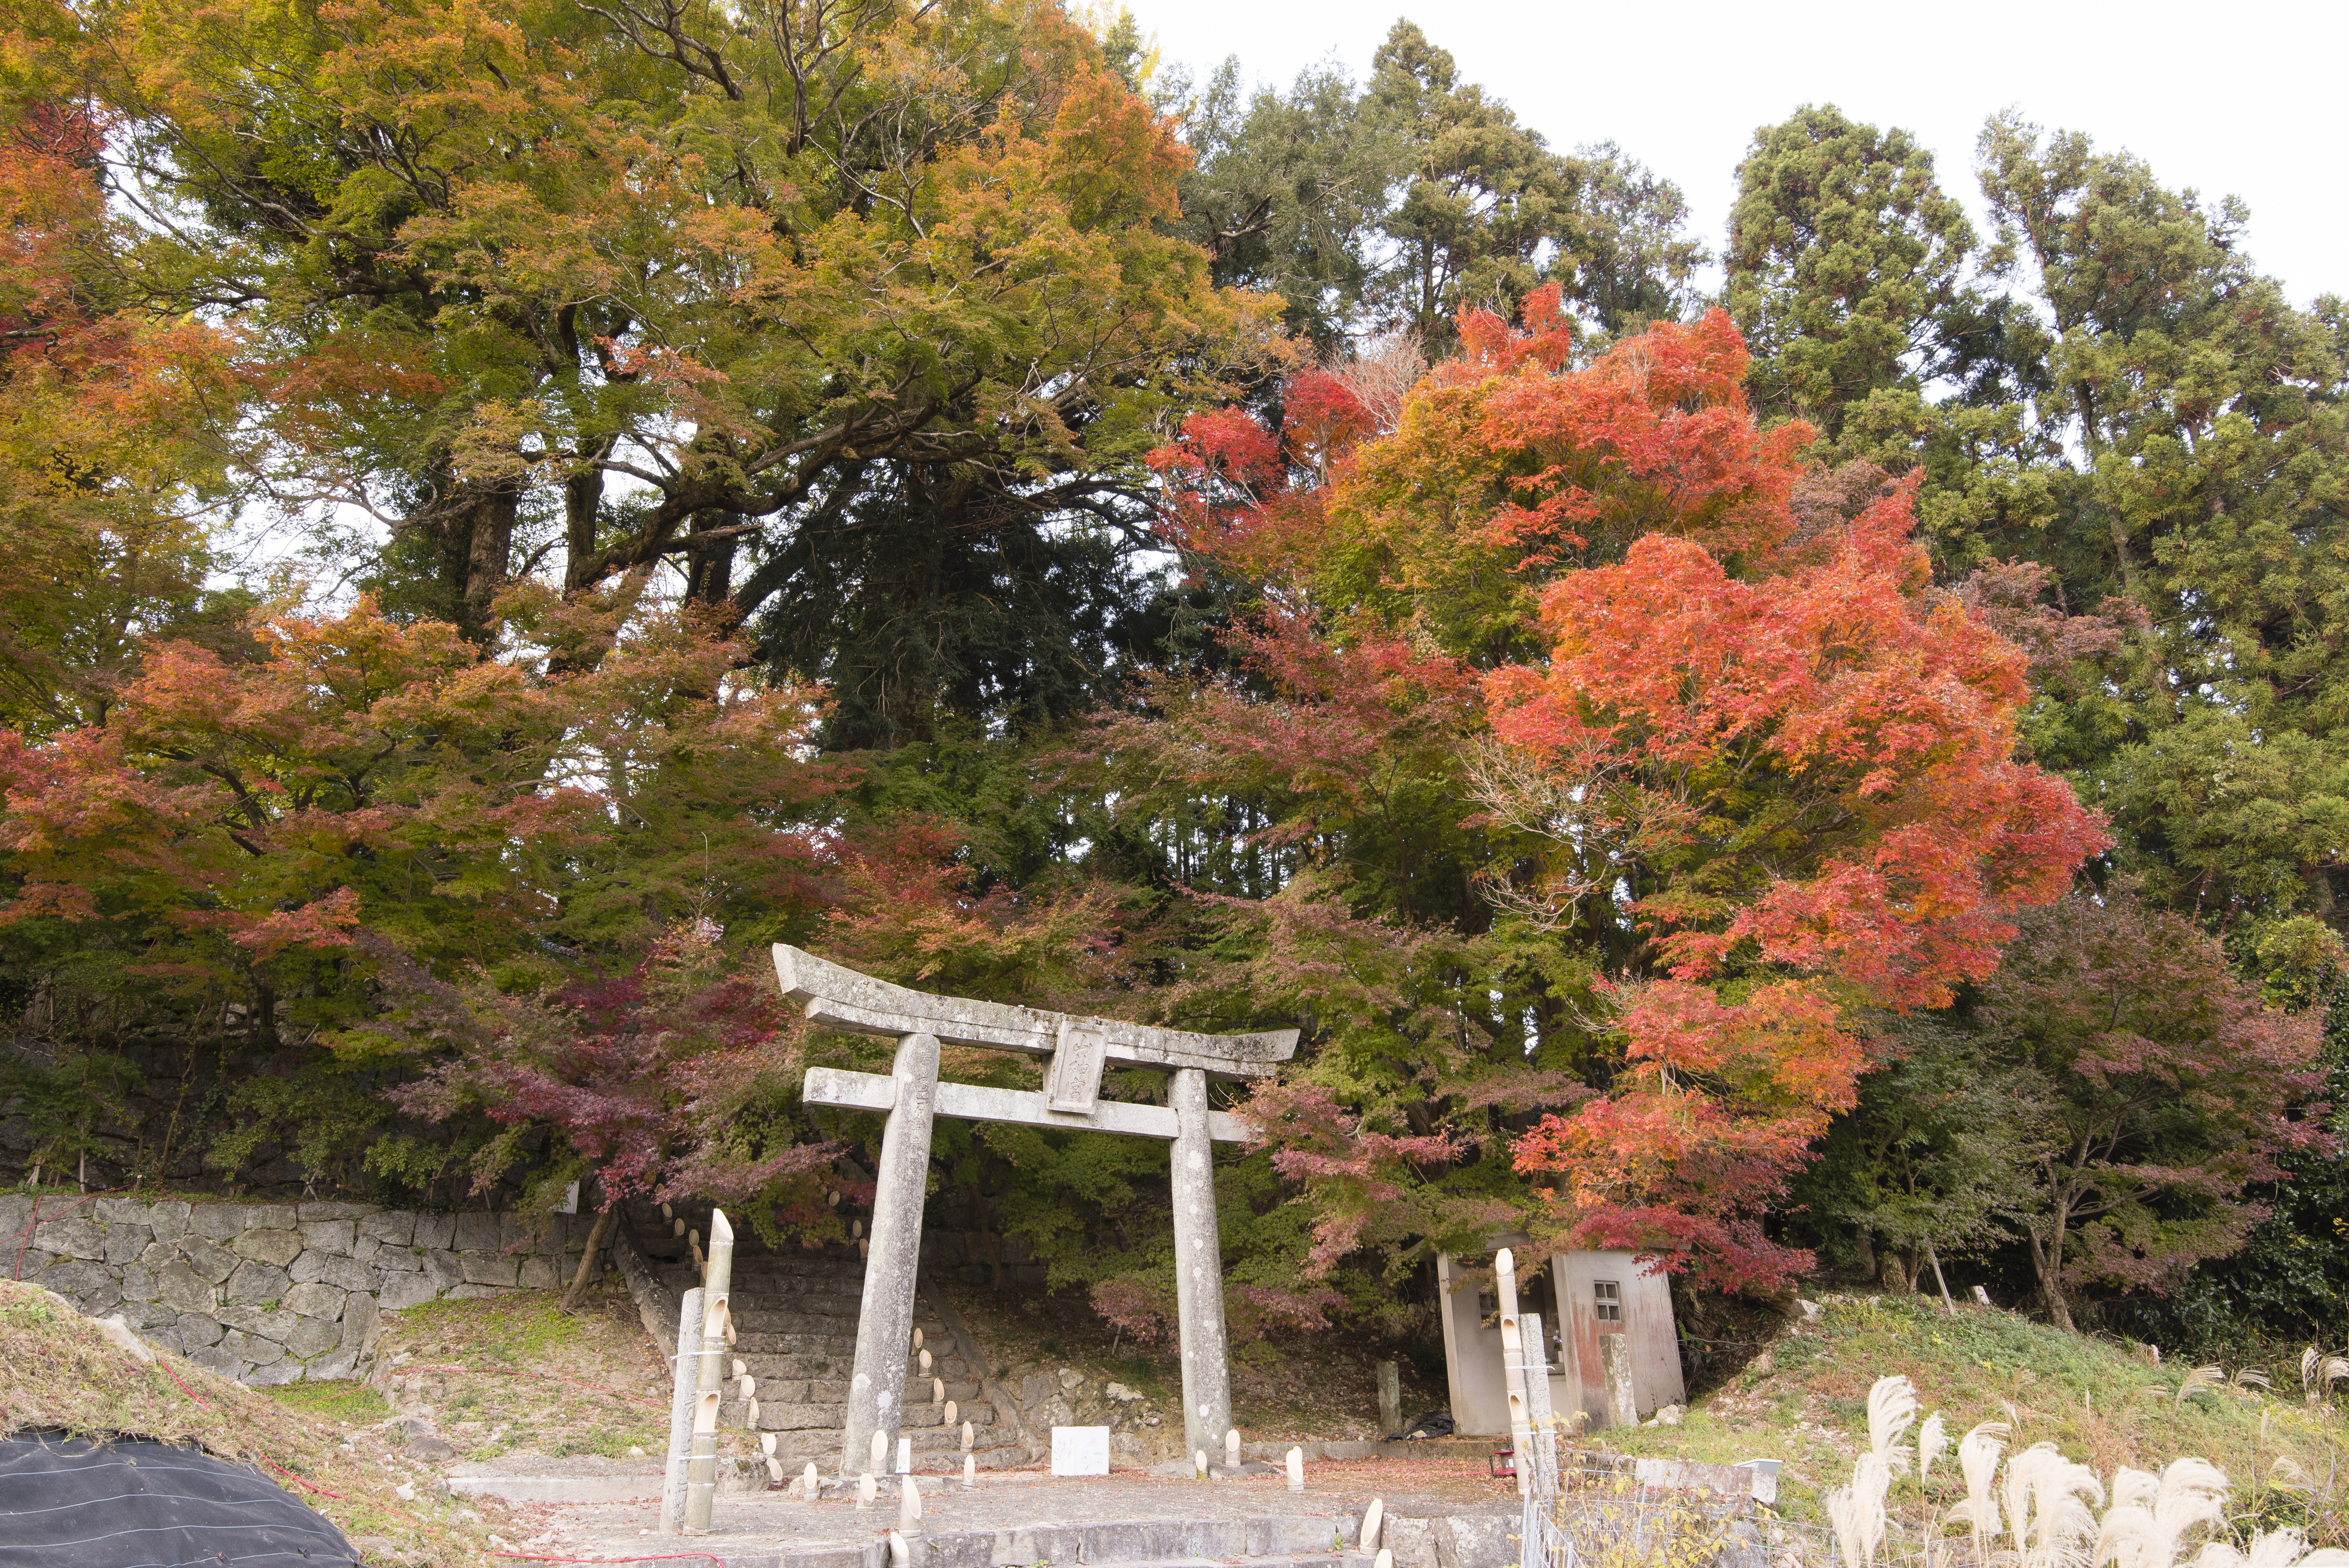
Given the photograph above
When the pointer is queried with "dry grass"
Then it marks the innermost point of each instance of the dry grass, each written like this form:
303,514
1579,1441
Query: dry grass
514,1373
1805,1401
59,1369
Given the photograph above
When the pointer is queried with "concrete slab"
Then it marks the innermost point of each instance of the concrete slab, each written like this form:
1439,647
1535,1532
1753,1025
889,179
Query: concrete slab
557,1488
1128,1519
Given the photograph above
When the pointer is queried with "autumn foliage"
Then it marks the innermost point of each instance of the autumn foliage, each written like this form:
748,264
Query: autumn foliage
1757,743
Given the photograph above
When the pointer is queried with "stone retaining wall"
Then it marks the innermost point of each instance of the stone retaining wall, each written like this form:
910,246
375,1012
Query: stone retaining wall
275,1292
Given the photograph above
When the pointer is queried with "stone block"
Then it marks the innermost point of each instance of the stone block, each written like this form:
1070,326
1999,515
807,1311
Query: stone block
781,1418
1476,1540
253,1284
310,1336
143,1315
444,1270
360,1317
73,1237
512,1231
350,1274
125,1242
275,1375
212,1358
217,1222
353,1211
251,1348
474,1292
136,1283
332,1237
492,1268
407,1290
964,1548
308,1268
537,1274
16,1213
274,1247
315,1301
31,1262
261,1323
113,1211
88,1285
212,1262
393,1227
333,1365
166,1337
478,1232
365,1247
399,1259
178,1285
197,1329
271,1217
159,1255
169,1218
434,1232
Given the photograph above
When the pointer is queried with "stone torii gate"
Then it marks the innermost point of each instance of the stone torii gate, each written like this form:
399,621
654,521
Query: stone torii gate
1078,1049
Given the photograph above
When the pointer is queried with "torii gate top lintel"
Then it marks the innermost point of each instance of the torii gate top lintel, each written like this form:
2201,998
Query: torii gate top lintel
843,999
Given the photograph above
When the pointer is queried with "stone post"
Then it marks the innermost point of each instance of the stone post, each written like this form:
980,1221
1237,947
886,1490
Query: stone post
701,1475
884,1322
685,1372
1198,1268
1390,1400
1615,1365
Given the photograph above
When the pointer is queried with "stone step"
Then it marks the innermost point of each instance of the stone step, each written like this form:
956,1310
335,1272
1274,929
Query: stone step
833,1390
1303,1543
795,1364
781,1416
795,1449
827,1345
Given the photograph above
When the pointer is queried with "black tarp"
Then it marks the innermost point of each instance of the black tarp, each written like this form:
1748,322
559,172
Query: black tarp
68,1502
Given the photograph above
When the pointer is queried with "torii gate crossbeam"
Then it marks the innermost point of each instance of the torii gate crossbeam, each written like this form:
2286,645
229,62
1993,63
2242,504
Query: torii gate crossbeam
911,1096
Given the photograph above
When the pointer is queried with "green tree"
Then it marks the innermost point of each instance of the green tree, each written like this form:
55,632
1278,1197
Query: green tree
616,289
2207,413
1846,271
2165,1087
1921,1169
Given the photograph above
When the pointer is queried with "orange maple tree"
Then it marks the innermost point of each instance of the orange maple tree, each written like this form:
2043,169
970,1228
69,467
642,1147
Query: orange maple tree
1766,764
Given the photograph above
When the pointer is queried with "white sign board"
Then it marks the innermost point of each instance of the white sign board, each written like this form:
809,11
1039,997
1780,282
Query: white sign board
1081,1450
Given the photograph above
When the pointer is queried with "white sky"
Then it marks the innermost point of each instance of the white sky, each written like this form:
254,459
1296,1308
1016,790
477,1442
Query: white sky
2243,98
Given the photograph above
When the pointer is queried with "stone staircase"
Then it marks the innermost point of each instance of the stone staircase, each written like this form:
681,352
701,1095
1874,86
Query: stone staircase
795,1315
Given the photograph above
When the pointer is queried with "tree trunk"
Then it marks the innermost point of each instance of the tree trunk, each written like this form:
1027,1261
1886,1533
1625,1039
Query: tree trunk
1865,1240
709,566
587,1258
2047,1263
1899,1271
1933,1258
469,526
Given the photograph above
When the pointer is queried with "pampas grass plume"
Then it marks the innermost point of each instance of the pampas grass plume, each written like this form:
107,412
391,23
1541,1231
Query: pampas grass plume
1978,1453
1891,1410
1932,1441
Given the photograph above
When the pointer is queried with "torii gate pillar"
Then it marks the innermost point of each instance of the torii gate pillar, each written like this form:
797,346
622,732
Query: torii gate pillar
1199,1270
884,1315
912,1096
